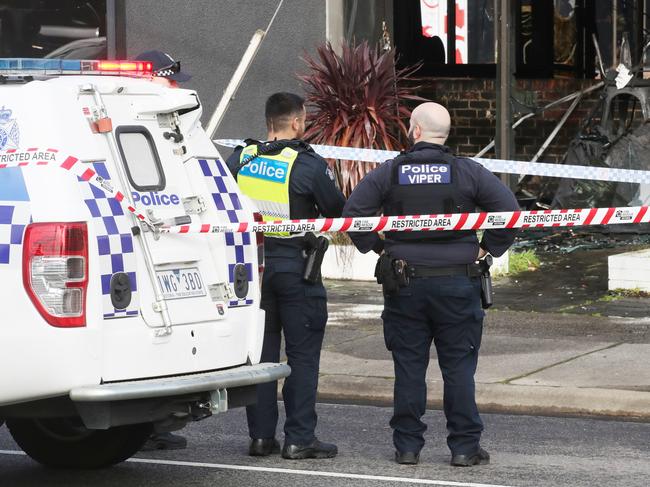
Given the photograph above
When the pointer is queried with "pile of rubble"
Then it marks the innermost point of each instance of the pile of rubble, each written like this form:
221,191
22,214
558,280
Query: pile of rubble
568,240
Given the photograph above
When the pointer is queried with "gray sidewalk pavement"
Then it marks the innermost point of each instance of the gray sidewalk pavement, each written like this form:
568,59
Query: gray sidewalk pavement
558,347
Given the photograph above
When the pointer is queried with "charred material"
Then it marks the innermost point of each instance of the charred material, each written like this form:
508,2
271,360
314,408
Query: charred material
616,135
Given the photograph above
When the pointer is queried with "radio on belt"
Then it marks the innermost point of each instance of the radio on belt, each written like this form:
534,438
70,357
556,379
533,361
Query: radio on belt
100,302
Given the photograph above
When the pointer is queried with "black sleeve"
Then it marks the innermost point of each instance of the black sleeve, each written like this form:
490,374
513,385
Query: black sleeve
233,161
327,196
367,200
493,195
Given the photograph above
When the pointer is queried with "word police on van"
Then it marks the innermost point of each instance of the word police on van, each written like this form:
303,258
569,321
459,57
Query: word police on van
155,199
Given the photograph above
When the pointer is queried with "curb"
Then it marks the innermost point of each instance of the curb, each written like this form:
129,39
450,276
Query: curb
500,398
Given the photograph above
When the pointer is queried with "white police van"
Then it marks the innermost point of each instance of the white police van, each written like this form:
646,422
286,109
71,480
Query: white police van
111,328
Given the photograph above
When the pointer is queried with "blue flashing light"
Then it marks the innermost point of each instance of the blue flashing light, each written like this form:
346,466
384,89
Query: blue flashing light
53,67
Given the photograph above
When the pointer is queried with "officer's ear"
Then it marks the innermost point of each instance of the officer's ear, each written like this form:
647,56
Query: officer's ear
298,124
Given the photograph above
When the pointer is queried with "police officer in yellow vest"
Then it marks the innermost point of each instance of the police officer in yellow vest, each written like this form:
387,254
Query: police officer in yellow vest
287,179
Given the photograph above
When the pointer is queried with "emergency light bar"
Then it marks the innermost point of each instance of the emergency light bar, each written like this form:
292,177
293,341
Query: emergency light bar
49,67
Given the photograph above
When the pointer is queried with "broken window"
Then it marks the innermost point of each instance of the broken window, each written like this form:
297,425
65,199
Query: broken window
552,37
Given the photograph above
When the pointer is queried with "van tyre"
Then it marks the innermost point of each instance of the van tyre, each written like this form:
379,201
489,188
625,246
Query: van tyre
67,443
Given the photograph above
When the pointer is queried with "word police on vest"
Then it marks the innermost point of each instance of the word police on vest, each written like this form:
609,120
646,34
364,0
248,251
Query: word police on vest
268,169
156,199
424,174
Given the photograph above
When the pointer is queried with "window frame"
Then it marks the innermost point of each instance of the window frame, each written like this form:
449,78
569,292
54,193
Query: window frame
139,129
584,67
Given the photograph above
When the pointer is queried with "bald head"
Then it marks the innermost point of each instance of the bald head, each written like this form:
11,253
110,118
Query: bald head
430,122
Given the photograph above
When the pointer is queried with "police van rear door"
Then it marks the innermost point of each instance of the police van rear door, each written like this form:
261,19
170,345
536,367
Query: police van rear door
194,286
183,265
155,145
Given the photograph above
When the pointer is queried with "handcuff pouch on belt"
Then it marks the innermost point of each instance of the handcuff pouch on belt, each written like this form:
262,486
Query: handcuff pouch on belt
315,248
391,273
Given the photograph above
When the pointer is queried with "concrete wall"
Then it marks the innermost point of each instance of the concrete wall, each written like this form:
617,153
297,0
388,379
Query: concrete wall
209,38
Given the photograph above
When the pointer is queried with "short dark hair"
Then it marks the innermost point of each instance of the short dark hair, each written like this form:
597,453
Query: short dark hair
281,108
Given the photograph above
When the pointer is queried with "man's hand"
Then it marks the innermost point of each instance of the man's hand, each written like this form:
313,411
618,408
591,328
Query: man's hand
481,253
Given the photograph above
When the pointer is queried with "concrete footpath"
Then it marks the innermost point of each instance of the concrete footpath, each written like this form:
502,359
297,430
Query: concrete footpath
569,348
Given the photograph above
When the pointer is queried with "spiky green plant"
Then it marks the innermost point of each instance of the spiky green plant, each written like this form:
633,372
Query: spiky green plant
357,99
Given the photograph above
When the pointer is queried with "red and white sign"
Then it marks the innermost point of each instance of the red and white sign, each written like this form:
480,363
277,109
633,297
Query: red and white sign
434,24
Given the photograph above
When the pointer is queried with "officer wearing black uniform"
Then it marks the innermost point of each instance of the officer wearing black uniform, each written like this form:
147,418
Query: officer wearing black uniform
287,179
438,293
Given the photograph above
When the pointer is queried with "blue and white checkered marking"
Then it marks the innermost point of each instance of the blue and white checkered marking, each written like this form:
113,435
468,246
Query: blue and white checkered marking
14,217
15,214
114,243
240,249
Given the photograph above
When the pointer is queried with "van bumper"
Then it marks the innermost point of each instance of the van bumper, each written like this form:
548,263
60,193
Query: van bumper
245,375
172,402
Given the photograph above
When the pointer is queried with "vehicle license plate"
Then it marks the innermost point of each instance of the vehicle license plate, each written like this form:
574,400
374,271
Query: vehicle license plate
181,283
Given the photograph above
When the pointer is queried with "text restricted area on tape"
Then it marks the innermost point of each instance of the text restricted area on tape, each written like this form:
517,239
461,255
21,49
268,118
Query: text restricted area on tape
432,223
495,165
35,157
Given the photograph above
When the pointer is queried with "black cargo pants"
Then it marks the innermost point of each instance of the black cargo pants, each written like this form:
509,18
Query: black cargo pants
447,311
299,310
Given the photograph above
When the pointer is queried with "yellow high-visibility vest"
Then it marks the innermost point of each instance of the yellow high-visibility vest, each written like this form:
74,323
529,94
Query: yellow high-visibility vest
265,181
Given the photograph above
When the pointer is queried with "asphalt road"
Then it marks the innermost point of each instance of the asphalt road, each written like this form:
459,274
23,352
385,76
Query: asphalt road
526,451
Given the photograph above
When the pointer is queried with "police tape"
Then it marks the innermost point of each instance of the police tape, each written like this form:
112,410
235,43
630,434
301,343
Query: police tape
434,223
594,173
33,157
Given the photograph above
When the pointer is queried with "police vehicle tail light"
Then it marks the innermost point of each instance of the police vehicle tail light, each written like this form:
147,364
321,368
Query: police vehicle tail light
55,271
53,67
259,240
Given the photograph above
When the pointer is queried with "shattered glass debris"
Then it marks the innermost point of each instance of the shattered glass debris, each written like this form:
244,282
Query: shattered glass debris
568,240
617,135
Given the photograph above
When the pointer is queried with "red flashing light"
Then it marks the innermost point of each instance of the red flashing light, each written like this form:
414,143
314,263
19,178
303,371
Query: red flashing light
126,66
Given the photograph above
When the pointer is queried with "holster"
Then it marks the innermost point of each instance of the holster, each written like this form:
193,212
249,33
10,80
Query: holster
391,274
315,248
486,281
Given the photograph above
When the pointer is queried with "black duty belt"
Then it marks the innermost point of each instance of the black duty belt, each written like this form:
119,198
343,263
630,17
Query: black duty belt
470,270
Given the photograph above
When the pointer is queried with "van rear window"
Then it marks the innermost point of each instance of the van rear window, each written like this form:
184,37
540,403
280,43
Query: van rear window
141,159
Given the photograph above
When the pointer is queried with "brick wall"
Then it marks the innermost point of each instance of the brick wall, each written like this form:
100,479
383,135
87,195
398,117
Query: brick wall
472,105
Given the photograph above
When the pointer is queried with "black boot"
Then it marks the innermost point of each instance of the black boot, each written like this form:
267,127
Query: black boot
480,457
316,449
407,458
263,447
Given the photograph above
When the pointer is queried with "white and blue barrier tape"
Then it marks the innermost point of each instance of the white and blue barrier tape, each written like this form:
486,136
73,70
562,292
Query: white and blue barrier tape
495,165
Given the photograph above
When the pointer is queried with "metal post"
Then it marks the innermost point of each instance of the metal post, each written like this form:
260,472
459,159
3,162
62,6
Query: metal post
115,29
451,31
505,43
614,33
110,30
